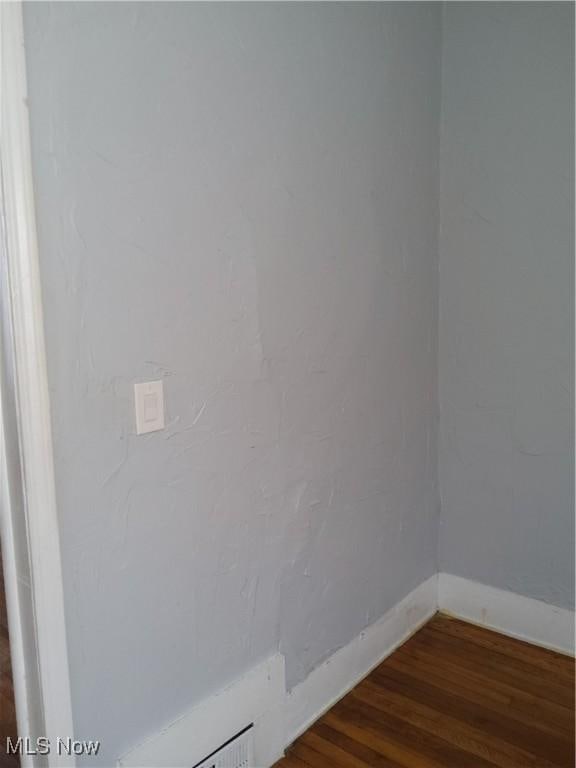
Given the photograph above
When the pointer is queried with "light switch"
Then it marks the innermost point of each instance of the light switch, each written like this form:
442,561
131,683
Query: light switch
149,404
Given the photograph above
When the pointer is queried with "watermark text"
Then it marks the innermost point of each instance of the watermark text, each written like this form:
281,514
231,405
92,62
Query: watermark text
24,745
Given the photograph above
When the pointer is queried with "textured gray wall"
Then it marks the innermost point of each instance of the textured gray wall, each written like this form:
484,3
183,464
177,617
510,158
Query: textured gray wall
241,199
506,281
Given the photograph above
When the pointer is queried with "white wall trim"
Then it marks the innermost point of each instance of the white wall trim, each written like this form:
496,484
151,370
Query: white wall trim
507,612
333,679
31,381
256,698
280,716
17,612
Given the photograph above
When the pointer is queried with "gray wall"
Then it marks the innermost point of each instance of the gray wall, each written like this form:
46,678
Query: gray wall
241,199
506,280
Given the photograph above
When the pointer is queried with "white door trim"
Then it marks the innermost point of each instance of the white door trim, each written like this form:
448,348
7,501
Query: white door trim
23,296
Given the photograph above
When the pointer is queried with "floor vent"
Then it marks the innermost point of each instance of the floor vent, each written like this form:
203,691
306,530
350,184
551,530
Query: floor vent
237,752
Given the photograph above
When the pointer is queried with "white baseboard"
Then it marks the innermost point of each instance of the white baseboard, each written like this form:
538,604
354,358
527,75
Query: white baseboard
256,697
507,612
260,696
280,716
329,682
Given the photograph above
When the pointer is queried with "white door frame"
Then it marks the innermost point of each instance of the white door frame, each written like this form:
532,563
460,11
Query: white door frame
38,646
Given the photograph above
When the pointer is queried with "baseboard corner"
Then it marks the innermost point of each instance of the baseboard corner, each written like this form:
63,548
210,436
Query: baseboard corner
509,613
335,677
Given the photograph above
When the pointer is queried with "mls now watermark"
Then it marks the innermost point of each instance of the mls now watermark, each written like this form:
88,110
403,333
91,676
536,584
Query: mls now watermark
24,745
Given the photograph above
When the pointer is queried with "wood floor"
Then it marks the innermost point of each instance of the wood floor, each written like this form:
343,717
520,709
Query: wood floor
7,709
455,696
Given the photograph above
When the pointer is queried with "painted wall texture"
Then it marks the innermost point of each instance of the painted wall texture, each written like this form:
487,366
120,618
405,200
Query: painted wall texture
242,200
506,277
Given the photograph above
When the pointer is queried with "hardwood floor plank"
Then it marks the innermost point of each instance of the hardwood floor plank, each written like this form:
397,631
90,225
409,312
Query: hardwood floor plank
489,747
332,753
7,705
367,754
429,743
493,668
392,745
474,679
453,696
509,703
408,736
316,759
291,761
542,658
526,668
548,747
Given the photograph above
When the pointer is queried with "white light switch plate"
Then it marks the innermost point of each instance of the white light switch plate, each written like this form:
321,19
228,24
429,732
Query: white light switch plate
149,404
